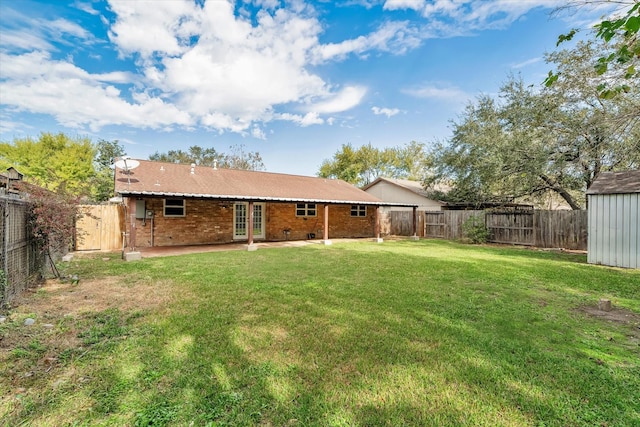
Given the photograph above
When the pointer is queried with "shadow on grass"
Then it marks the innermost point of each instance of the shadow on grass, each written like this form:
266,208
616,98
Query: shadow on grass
367,335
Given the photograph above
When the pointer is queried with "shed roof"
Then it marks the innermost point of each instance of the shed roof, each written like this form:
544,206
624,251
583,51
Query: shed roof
177,180
616,183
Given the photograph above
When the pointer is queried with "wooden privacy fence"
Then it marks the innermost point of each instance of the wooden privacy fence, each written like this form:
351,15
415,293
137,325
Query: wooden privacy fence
543,229
401,223
99,228
21,260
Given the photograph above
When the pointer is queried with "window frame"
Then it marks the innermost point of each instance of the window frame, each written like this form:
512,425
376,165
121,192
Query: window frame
358,211
183,206
305,209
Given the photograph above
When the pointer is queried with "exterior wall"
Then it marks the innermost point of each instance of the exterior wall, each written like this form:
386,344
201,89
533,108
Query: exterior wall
614,230
211,222
392,193
206,222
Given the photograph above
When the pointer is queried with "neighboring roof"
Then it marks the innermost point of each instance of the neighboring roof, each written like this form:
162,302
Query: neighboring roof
12,173
176,180
414,186
616,183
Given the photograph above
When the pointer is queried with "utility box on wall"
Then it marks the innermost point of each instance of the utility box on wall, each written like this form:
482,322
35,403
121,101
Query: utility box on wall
140,209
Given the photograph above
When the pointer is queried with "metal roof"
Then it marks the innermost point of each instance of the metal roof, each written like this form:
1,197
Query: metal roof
616,183
157,179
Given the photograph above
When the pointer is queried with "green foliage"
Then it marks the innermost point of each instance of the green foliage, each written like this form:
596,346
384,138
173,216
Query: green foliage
51,218
56,162
622,33
107,152
529,144
63,164
238,158
363,165
475,230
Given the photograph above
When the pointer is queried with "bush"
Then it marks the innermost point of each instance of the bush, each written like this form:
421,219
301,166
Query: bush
475,229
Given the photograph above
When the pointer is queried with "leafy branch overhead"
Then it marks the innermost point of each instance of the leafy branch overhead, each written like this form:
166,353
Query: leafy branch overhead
623,34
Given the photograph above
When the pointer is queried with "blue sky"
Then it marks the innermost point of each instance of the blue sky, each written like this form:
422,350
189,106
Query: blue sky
292,80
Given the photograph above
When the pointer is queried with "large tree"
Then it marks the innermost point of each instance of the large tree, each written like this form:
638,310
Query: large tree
56,162
621,30
102,186
531,143
238,158
361,166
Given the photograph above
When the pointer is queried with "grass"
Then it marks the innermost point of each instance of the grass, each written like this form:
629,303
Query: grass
427,333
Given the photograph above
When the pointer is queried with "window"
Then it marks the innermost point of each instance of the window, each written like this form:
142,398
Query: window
174,207
358,210
306,209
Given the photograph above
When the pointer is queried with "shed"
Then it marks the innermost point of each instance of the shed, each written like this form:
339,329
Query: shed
614,222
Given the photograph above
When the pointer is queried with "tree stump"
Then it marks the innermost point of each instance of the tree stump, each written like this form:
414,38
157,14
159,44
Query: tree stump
604,305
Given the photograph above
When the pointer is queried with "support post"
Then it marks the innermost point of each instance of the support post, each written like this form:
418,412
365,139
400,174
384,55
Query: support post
325,231
132,223
415,224
250,245
377,225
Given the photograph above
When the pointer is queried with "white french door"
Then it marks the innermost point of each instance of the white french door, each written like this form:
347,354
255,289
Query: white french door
240,219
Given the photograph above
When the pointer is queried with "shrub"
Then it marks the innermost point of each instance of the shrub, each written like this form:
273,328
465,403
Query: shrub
475,229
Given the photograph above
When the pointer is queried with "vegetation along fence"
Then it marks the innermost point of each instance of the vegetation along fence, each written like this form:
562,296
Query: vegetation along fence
20,258
540,228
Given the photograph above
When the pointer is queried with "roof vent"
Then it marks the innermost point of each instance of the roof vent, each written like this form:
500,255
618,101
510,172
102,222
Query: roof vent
215,165
193,168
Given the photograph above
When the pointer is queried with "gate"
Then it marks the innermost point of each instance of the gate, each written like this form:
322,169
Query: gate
99,227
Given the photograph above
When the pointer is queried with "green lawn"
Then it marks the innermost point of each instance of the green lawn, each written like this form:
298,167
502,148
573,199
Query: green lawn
428,333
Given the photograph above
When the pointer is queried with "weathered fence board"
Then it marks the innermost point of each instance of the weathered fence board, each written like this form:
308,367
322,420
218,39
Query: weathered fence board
514,228
401,223
541,228
561,229
99,227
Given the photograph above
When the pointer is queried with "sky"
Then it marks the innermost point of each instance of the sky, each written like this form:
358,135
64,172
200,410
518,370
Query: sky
291,80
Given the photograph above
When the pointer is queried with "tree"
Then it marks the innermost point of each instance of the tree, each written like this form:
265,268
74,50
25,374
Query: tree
363,165
532,143
239,158
622,31
54,161
107,152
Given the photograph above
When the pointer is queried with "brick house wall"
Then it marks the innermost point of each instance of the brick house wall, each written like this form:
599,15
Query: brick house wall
211,222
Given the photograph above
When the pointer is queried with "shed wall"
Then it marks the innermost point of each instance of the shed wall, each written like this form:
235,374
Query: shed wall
614,230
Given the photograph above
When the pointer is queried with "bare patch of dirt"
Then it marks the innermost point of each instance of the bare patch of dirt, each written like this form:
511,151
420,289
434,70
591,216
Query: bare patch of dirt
60,299
31,354
618,315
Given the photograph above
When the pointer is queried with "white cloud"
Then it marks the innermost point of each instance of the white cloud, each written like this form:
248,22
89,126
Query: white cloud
308,119
258,133
193,64
403,4
438,91
397,37
86,7
389,112
348,98
527,62
34,82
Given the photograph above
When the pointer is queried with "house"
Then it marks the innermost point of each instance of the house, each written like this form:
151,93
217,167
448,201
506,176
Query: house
614,221
9,178
178,204
402,191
